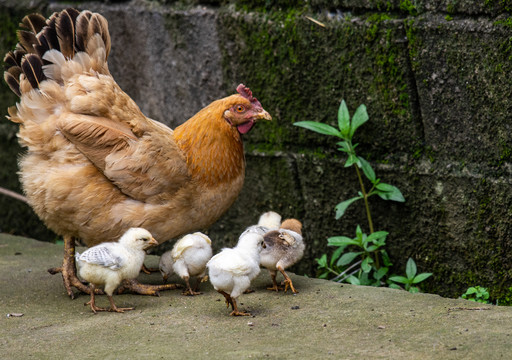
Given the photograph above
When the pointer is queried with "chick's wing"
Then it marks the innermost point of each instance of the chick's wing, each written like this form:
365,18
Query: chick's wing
103,256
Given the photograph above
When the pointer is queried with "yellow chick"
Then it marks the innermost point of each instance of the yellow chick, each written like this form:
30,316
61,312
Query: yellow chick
284,247
112,262
187,258
232,270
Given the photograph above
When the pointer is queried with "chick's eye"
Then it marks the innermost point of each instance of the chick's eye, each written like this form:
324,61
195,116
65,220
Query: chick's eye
240,108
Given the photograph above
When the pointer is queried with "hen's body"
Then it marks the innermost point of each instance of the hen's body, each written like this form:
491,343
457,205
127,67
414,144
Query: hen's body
95,166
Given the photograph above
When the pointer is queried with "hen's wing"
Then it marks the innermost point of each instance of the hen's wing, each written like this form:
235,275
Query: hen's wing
103,256
65,61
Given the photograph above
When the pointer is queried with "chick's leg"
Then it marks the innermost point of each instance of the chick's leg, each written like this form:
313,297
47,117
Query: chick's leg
189,291
68,269
145,289
236,312
287,281
92,302
114,308
275,287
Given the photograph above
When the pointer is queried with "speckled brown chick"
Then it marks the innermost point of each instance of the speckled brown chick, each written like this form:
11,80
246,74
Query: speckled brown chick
284,248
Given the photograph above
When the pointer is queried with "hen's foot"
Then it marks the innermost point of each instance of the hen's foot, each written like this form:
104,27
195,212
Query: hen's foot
145,289
68,270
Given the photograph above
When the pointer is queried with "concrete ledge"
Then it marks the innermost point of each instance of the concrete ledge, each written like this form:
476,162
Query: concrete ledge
325,320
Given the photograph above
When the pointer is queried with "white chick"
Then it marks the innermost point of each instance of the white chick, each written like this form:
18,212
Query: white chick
284,247
232,270
267,221
187,258
110,263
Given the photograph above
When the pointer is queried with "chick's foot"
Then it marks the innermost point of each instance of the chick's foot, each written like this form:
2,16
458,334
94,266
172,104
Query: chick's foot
287,282
145,289
68,270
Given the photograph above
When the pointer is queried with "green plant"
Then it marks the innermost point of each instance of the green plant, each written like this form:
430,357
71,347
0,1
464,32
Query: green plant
361,260
478,294
410,279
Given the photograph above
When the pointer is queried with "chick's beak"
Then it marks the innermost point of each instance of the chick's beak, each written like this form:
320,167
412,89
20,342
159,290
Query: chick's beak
153,242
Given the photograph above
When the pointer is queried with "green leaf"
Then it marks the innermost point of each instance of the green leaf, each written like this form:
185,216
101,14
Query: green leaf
420,277
399,279
341,241
319,128
395,286
353,280
323,276
410,269
471,290
367,169
322,262
351,160
389,192
371,248
344,120
343,146
359,118
336,254
385,258
347,258
365,265
379,274
342,206
414,290
375,236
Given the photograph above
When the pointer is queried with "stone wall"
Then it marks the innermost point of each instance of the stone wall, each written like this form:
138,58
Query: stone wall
434,75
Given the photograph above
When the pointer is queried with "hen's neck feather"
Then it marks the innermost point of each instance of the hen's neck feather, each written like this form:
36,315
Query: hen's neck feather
213,148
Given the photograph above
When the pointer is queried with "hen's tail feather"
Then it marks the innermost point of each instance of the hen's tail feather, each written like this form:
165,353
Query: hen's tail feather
68,31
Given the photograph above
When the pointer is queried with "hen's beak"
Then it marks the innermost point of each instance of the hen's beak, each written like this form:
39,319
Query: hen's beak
263,115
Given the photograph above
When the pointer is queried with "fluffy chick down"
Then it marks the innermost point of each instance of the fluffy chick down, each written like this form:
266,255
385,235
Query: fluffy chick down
108,264
187,258
232,270
284,248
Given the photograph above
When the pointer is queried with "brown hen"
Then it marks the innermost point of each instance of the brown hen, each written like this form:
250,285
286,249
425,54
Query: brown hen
95,166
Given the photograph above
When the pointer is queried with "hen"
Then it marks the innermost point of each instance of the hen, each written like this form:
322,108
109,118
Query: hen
111,262
95,166
187,258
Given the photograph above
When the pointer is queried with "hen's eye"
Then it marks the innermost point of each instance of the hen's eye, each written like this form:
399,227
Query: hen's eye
240,108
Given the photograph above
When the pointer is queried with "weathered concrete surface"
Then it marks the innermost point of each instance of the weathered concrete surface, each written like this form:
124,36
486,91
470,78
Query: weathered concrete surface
434,75
325,320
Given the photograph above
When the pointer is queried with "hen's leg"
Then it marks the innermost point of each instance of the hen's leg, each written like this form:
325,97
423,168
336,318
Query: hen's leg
145,289
287,281
92,302
189,291
68,269
114,308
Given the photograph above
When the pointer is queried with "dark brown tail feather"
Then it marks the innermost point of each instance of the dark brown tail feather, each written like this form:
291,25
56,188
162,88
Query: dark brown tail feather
66,31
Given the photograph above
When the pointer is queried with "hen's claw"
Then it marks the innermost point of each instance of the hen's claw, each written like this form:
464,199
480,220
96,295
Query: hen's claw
145,289
68,270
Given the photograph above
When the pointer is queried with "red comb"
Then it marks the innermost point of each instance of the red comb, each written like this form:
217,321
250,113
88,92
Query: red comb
246,93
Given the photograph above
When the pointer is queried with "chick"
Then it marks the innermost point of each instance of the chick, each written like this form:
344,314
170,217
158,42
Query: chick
232,270
112,262
284,247
267,221
187,258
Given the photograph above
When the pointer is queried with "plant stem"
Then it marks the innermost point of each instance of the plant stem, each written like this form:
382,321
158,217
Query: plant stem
365,195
